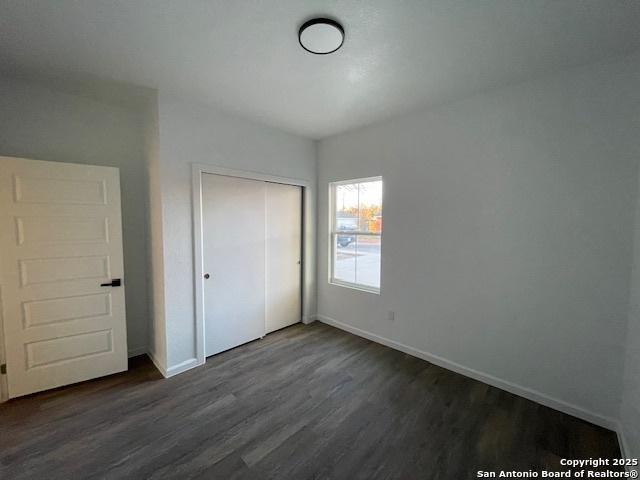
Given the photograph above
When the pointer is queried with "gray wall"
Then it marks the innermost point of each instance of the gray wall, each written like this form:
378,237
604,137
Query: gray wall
193,133
630,409
516,260
44,124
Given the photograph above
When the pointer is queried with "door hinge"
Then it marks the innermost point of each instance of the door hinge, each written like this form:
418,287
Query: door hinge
3,369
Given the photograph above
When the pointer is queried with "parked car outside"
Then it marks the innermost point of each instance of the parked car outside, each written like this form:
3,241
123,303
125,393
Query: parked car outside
344,240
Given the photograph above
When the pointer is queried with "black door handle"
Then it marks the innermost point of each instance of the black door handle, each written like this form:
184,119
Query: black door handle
114,283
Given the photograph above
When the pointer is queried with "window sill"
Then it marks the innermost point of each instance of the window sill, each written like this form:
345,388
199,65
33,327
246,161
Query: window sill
354,286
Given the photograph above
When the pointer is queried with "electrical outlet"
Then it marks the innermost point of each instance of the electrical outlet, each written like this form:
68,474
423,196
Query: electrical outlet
391,316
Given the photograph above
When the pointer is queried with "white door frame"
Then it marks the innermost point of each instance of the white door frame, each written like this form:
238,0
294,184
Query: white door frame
197,170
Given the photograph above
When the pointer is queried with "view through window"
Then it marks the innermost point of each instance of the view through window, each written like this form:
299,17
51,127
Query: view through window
356,233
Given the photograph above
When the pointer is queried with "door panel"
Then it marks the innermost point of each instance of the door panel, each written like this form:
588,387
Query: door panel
61,237
57,310
71,347
50,270
283,255
233,216
57,229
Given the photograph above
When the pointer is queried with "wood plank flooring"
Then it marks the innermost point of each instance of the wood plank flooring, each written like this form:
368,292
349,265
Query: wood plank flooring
304,402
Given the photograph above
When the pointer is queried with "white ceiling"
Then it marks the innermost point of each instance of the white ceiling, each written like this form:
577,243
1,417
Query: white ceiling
243,55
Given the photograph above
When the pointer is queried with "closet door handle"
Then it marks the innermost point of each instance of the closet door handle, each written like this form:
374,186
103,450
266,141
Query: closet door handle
116,282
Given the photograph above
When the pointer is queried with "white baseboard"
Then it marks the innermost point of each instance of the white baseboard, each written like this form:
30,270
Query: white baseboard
622,441
134,352
182,367
174,369
624,446
307,319
525,392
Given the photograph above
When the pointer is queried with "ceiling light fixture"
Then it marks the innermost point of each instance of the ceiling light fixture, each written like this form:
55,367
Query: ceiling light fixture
321,36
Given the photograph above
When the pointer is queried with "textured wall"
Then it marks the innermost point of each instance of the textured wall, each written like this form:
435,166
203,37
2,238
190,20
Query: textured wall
508,231
58,126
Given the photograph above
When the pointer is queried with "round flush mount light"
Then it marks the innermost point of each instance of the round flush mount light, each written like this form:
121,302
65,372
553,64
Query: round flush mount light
321,36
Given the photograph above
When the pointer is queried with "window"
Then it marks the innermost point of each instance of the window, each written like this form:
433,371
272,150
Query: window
356,233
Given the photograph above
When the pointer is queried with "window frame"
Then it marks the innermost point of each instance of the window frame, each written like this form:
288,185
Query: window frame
333,233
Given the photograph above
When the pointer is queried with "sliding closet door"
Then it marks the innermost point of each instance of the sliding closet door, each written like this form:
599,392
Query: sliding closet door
283,255
233,221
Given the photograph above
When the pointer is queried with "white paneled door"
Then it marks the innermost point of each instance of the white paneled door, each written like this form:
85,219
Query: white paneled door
61,270
251,237
283,255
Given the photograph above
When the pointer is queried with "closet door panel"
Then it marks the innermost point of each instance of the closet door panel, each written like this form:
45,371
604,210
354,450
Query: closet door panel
233,220
283,255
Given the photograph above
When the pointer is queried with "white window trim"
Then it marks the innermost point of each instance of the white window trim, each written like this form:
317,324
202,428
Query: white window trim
332,232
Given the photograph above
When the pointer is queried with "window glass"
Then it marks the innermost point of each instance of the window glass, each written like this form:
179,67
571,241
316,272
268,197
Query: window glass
345,258
368,261
356,231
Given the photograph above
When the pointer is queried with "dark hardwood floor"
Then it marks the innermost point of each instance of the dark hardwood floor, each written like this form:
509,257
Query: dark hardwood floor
304,402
